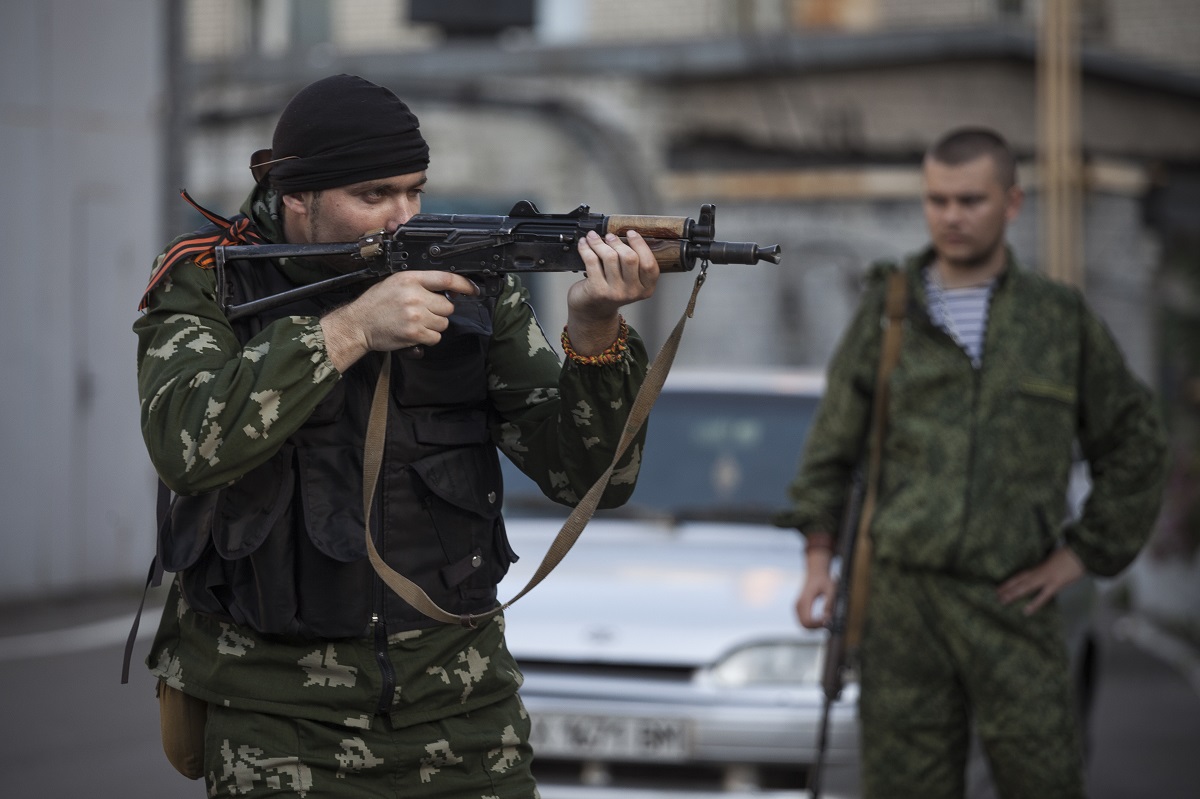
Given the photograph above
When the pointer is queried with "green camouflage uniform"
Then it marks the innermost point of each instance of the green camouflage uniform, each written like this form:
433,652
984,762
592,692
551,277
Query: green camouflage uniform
973,485
211,410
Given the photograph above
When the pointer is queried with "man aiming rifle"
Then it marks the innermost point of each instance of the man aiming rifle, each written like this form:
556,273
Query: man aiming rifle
303,460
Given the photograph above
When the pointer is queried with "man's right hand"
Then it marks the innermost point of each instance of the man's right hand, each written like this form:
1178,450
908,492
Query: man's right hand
407,309
818,585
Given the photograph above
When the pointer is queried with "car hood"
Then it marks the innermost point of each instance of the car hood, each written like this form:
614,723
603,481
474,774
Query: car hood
651,593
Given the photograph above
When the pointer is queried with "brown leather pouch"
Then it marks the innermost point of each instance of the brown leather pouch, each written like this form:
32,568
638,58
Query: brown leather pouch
182,719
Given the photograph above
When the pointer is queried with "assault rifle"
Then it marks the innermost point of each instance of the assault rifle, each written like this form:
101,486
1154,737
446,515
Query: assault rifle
486,248
850,599
837,654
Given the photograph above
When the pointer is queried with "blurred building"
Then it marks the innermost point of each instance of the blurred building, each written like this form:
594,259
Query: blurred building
803,121
81,135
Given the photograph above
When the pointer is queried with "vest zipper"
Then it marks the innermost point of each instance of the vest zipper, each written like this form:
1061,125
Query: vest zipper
386,671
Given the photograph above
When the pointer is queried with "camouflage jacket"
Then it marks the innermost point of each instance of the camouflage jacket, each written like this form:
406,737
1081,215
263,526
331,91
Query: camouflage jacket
976,461
212,409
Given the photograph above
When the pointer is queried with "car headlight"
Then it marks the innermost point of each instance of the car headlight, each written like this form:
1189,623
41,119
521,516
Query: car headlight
769,663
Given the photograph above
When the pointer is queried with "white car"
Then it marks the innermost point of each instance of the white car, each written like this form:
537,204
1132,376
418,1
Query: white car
663,657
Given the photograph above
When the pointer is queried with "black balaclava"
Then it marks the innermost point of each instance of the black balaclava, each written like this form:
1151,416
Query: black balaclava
341,130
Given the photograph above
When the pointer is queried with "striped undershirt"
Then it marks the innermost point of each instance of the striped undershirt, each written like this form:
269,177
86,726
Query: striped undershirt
961,312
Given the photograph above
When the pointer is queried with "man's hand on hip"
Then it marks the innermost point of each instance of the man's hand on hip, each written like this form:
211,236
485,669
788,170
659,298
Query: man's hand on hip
1044,581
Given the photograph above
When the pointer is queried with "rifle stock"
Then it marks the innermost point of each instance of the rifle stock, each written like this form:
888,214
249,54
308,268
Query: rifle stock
486,248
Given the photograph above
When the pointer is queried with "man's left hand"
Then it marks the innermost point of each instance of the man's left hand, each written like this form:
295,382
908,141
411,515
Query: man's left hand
618,273
1044,581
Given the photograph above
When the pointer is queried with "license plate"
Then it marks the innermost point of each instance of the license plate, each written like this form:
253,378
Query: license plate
609,738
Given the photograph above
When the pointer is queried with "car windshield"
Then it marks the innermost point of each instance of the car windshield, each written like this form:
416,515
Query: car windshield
714,455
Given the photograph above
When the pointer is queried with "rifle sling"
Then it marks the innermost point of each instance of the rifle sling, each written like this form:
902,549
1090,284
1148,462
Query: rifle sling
153,579
889,356
571,529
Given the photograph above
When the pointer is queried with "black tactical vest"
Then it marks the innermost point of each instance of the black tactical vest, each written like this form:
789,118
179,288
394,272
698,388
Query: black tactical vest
282,550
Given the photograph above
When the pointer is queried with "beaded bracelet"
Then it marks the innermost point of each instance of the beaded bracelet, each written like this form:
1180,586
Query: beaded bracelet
614,354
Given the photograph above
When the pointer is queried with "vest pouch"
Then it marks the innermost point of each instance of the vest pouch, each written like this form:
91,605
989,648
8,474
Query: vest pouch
187,530
330,494
182,719
458,360
235,519
246,573
466,477
463,498
329,409
249,510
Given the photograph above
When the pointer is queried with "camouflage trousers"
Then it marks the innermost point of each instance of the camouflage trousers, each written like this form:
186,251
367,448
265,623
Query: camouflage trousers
484,754
940,653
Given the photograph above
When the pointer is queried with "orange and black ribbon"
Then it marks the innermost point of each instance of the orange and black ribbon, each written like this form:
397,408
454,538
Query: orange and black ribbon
199,247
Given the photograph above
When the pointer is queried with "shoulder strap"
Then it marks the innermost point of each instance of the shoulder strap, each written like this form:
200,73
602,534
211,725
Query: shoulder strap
894,308
572,528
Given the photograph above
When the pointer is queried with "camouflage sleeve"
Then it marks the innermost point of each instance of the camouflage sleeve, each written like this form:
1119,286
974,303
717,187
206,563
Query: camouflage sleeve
211,409
834,446
560,422
1124,441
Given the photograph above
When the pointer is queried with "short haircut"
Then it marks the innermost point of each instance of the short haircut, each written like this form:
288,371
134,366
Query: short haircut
966,144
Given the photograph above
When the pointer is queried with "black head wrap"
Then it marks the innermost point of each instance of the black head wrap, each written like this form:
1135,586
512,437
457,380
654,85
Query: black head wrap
341,130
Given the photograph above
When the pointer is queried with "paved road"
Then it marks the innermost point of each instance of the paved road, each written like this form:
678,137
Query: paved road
1146,733
69,729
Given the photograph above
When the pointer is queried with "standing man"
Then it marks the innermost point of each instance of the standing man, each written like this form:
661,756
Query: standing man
1001,372
286,667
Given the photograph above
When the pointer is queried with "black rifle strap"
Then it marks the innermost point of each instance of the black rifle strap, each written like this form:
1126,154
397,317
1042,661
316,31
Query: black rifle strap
153,578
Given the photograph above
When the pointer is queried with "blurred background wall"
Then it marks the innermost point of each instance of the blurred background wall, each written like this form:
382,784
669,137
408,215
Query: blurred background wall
804,121
81,137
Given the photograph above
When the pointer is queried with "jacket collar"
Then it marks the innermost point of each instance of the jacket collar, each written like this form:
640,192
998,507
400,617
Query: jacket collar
915,265
264,207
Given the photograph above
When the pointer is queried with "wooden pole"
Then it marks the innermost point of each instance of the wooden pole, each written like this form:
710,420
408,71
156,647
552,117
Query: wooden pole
1060,166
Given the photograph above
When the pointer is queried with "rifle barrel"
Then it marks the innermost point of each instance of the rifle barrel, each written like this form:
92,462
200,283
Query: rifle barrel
815,774
735,252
